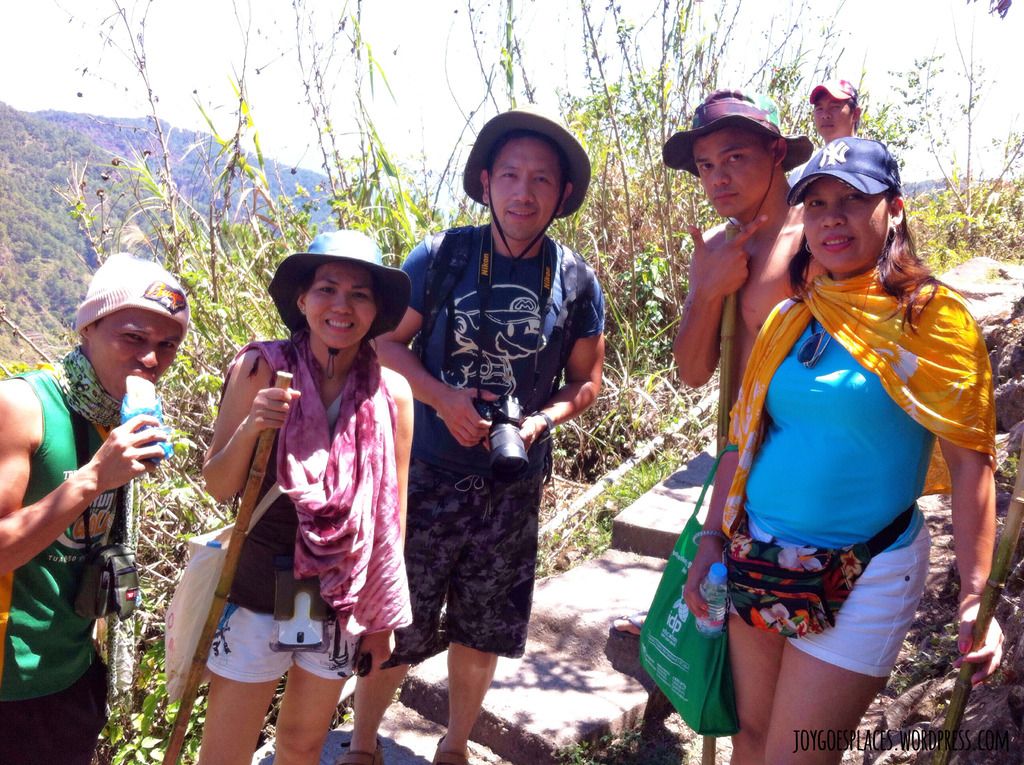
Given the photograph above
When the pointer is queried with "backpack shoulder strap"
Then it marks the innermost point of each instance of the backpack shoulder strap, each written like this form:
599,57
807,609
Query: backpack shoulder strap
450,251
578,286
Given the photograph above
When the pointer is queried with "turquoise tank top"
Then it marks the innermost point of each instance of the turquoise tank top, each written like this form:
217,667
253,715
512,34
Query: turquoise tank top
840,460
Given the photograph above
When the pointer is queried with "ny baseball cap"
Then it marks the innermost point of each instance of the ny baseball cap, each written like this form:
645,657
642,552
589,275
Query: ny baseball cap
864,164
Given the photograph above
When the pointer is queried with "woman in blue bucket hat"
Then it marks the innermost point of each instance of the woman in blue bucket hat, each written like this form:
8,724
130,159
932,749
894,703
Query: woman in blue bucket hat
321,582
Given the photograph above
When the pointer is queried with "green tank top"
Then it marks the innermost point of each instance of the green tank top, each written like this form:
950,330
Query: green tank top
46,646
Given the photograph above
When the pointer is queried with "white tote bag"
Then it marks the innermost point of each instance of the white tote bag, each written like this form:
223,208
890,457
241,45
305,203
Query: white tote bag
190,605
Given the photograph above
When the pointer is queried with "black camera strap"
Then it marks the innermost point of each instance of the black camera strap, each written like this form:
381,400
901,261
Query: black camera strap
485,276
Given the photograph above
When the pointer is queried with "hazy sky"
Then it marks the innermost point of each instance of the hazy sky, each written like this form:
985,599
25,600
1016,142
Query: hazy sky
52,56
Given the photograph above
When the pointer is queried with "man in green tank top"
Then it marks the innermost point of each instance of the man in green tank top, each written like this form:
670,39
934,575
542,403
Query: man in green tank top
63,457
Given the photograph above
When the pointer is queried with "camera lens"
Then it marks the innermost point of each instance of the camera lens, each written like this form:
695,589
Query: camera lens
508,455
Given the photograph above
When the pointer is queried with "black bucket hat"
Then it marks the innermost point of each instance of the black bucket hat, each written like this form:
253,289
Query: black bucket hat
391,286
861,163
535,122
734,108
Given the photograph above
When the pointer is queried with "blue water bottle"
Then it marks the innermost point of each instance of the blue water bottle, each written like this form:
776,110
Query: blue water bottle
715,590
140,398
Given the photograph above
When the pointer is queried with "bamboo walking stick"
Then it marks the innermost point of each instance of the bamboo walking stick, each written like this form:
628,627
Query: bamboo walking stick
989,600
726,369
726,386
253,484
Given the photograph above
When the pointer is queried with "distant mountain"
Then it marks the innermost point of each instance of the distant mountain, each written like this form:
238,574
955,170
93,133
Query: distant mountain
191,152
45,261
919,188
43,256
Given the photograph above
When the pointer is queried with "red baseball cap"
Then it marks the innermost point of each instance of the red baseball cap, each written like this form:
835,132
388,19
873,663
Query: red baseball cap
839,89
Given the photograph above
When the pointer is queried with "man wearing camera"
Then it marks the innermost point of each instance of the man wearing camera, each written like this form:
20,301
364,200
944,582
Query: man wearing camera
64,457
499,314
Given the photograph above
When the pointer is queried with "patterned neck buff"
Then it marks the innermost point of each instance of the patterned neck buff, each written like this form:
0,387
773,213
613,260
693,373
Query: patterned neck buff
85,394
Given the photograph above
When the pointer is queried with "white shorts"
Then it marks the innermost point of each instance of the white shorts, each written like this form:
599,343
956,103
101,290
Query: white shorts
241,650
877,615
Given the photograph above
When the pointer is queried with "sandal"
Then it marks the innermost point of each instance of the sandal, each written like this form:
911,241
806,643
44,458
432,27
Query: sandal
630,625
448,758
376,757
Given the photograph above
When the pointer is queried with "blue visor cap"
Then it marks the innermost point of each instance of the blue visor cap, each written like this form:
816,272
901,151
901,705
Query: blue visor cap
864,164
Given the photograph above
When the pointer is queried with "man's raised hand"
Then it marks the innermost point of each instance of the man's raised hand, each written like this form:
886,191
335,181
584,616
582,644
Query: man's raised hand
719,268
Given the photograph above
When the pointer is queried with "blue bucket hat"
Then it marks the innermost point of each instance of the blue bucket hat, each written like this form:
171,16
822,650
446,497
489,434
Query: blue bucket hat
391,286
864,164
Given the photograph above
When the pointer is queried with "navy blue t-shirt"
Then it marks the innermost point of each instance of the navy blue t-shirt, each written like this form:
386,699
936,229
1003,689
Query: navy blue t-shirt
500,356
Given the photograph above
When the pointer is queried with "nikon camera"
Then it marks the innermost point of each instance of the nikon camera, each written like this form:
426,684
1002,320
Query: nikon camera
508,454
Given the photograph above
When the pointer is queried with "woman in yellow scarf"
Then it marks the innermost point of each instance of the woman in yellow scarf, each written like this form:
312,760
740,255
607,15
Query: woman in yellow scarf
868,389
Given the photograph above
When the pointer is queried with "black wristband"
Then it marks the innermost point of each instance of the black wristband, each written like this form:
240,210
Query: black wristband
548,422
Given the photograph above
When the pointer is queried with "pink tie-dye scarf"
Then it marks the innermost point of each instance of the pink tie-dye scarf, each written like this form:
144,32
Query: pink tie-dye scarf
344,487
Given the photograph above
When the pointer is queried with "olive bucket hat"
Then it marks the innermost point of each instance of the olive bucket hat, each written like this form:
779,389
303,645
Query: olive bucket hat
734,108
533,121
391,286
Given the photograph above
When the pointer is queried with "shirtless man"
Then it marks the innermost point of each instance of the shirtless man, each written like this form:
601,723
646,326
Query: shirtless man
736,148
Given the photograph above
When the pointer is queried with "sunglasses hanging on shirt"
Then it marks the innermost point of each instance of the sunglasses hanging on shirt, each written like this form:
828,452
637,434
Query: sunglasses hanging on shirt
812,348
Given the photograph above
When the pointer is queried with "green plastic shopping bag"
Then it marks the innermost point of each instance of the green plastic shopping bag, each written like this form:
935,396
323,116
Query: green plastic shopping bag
692,670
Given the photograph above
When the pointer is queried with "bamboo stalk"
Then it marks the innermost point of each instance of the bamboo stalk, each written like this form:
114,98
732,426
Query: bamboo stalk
726,369
989,600
726,386
253,484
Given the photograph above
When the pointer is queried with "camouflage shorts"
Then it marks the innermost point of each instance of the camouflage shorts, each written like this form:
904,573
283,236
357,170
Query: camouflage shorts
470,550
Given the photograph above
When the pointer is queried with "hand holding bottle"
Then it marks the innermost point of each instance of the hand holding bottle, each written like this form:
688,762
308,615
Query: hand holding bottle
140,398
715,590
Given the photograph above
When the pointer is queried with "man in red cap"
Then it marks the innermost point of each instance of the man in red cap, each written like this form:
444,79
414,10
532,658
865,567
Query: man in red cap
836,109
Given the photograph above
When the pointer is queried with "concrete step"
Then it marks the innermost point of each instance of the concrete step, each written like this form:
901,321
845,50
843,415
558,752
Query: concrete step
576,682
651,525
406,739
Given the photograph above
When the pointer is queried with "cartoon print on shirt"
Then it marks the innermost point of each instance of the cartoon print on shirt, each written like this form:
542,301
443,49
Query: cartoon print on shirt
513,326
101,520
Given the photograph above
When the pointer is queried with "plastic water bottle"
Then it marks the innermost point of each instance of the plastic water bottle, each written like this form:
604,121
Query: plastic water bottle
140,398
715,590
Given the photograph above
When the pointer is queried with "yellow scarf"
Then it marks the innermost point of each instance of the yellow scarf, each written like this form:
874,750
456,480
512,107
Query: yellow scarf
938,373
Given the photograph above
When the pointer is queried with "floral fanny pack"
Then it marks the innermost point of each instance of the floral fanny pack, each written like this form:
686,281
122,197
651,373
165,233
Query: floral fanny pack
799,590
